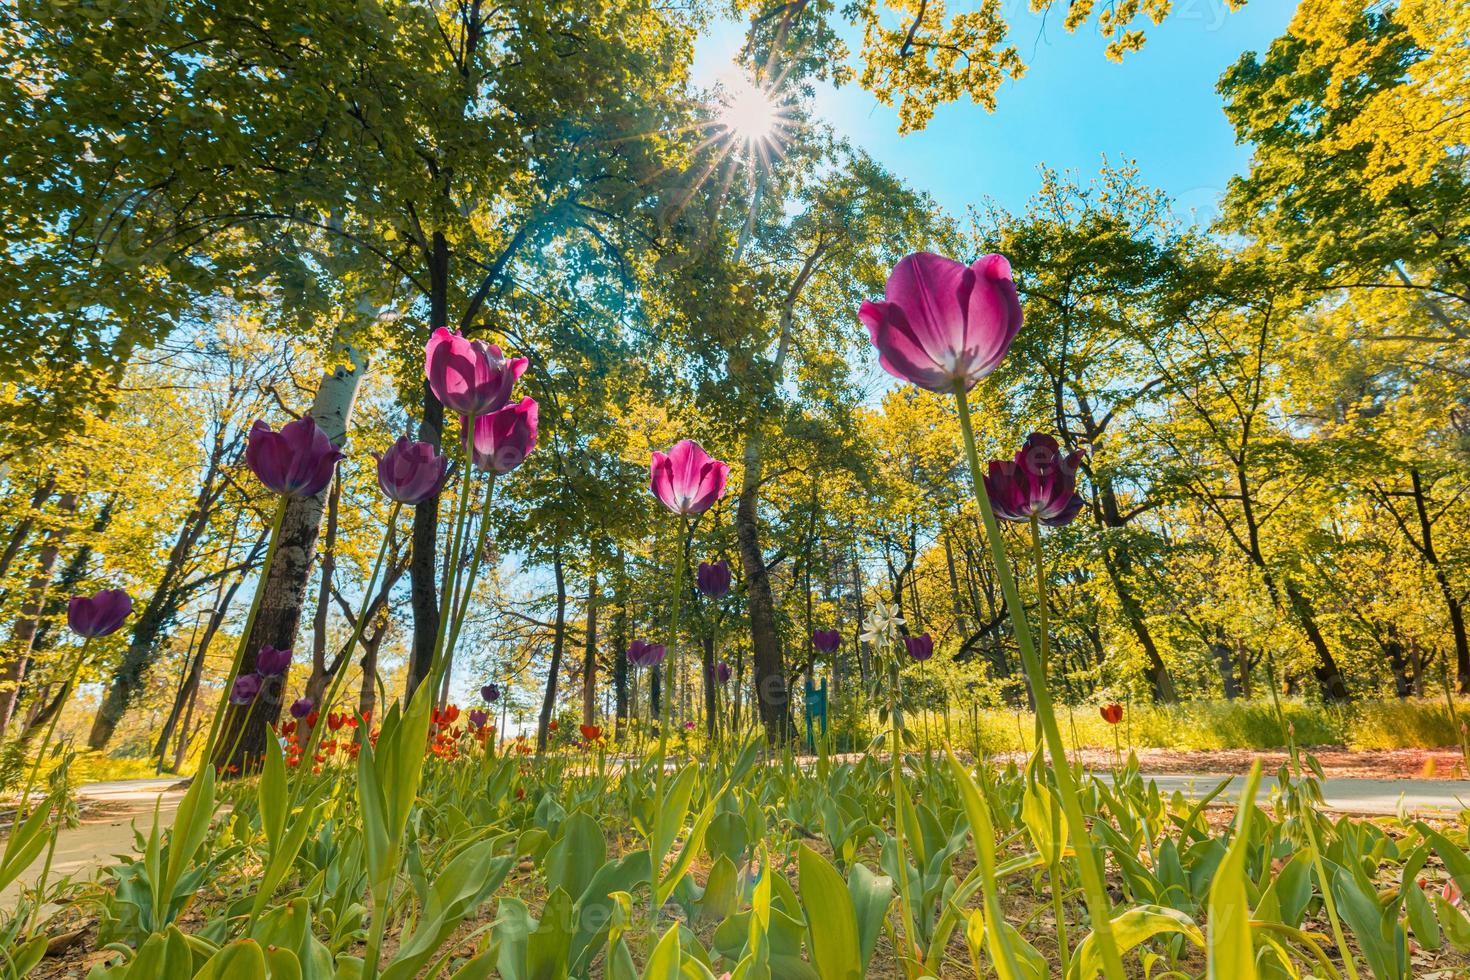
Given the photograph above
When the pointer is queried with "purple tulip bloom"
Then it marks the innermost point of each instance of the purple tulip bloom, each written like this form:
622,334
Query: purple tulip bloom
722,672
491,693
478,718
943,324
1040,481
100,614
686,479
301,707
504,438
469,377
295,462
713,578
246,687
920,647
644,654
270,662
410,472
826,641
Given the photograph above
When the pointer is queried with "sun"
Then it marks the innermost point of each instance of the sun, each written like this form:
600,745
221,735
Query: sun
750,113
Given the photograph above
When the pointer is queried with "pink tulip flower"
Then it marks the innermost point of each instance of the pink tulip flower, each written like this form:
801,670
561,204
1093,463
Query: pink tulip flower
296,462
470,377
410,472
943,324
686,479
504,438
1039,481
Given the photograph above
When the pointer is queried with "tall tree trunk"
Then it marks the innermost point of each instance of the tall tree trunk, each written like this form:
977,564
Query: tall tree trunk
246,728
589,651
711,686
772,698
422,566
188,693
367,694
558,641
1161,685
1329,678
1394,650
1225,658
22,530
23,636
620,649
1452,602
321,673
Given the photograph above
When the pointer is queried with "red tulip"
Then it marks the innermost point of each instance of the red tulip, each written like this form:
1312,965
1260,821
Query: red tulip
1112,713
335,720
944,324
686,479
504,438
552,726
591,732
469,377
98,615
296,462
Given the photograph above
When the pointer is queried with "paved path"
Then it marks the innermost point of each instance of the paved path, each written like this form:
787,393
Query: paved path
104,833
83,851
1368,797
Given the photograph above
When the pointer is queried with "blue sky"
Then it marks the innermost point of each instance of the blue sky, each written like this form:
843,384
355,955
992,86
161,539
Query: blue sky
1072,107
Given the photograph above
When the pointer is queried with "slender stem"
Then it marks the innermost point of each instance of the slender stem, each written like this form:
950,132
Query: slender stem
380,915
451,567
71,680
1042,614
909,935
1059,911
260,584
670,659
474,569
352,641
1308,824
1093,887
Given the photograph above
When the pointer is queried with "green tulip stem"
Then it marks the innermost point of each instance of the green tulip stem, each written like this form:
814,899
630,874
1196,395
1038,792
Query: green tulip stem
474,569
1093,887
265,569
449,580
1042,613
670,659
911,937
71,682
357,630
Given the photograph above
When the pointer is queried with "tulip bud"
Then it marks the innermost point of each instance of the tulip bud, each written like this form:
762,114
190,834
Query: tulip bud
503,439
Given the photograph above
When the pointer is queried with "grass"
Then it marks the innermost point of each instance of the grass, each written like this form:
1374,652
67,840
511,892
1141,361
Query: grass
1204,725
